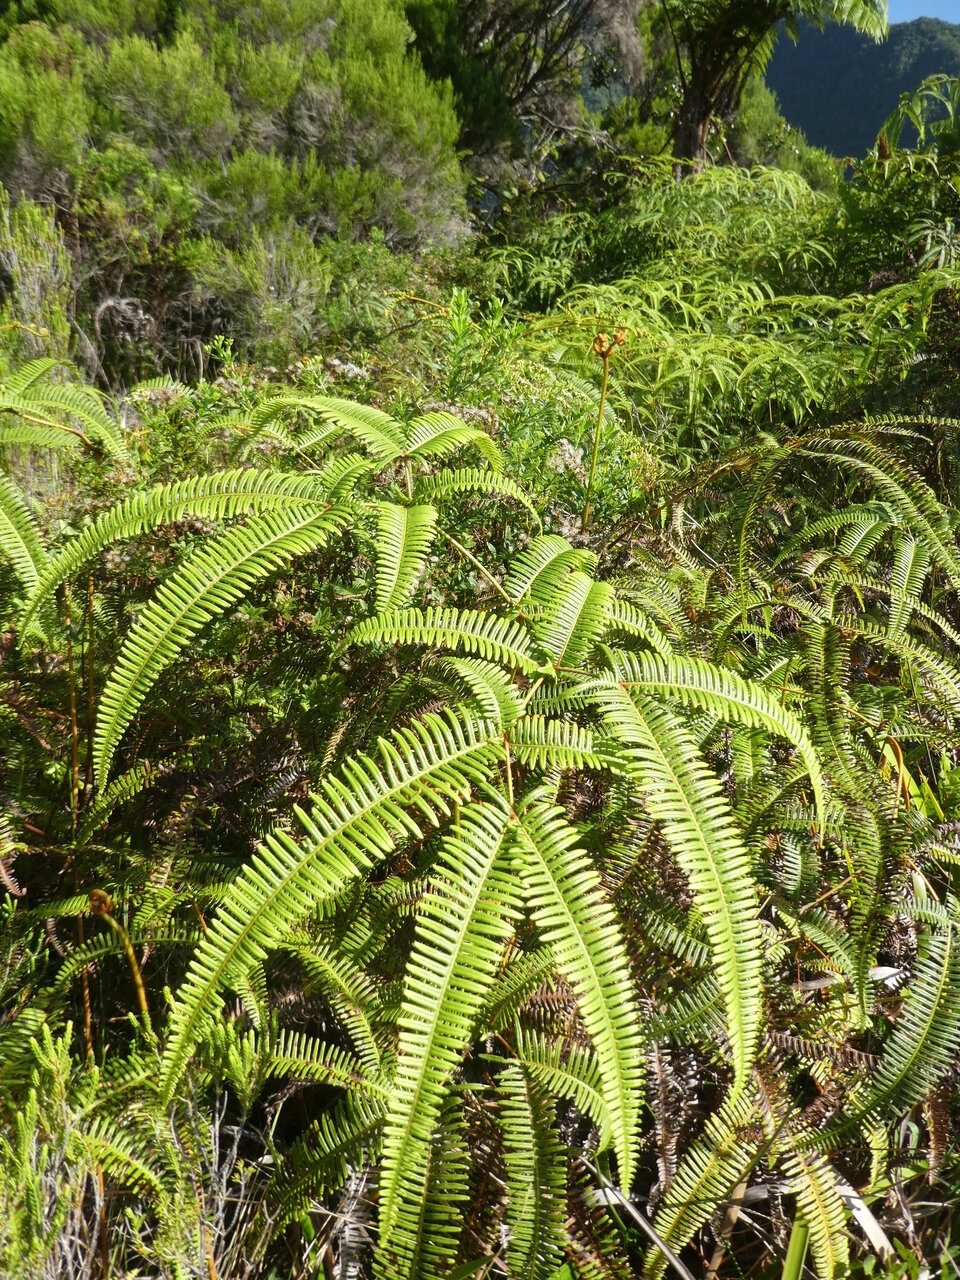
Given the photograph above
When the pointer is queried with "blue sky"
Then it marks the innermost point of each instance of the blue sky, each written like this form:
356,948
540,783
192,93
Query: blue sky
906,10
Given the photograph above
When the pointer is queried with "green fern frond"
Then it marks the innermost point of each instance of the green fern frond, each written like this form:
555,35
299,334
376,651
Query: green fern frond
435,435
467,630
55,410
302,1056
622,616
361,814
349,991
463,924
494,693
926,1038
404,538
723,693
117,792
344,1139
20,539
566,1071
556,744
541,569
939,671
564,892
814,1184
536,1176
119,1154
683,794
377,431
220,495
715,1164
907,493
206,584
574,620
450,484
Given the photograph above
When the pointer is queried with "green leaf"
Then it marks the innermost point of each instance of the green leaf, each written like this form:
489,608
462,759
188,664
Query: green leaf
404,538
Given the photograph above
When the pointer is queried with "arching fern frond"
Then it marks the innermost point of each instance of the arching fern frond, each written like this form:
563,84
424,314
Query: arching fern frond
436,435
714,1165
467,630
221,495
20,541
564,892
360,815
723,693
404,538
536,1176
207,583
540,570
463,925
680,791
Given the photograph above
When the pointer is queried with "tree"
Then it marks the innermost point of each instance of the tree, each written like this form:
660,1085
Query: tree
719,43
516,62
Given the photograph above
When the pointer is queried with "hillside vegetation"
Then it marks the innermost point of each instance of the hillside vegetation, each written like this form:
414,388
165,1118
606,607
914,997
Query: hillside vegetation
838,87
479,703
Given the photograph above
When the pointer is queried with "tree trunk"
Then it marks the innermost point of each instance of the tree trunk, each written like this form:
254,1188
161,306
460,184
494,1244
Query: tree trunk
690,131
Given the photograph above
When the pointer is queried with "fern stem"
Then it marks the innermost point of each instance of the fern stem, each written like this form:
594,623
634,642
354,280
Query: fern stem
614,1196
91,702
100,905
468,555
584,523
796,1250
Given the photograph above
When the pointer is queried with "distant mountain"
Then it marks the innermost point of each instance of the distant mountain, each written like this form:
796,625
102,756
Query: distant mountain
839,87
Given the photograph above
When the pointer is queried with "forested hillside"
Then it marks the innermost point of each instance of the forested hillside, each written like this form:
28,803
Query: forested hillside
839,86
480,650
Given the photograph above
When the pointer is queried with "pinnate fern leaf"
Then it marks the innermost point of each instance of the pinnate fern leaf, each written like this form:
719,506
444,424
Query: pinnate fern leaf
536,1176
466,630
723,693
681,792
404,538
206,584
564,893
19,537
220,495
357,820
463,925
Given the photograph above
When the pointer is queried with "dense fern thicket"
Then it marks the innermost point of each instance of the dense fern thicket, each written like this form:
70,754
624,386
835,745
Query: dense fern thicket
480,799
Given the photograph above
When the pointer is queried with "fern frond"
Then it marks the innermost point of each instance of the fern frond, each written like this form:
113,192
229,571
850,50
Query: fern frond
556,744
463,925
377,431
54,410
713,1167
907,493
358,819
20,539
345,1138
564,892
723,693
217,496
467,630
574,620
565,1071
536,1177
680,792
449,484
540,570
206,584
814,1184
495,694
302,1056
404,538
349,992
926,1038
435,435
